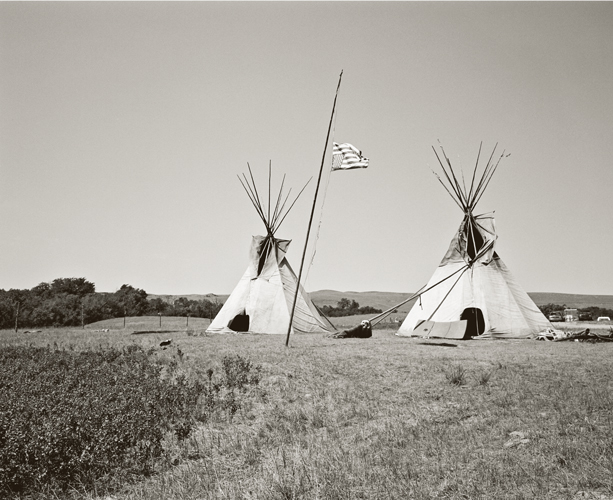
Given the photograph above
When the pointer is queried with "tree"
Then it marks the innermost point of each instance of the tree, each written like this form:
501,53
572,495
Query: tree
346,307
130,301
42,291
72,286
343,304
17,299
158,306
7,310
183,306
99,306
547,309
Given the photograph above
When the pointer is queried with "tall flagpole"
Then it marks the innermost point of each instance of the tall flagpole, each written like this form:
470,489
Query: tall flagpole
321,169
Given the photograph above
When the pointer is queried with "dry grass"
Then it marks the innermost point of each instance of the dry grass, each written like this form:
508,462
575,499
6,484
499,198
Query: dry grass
383,418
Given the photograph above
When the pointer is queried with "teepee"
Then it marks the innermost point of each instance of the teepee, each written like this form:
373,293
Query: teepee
263,298
472,293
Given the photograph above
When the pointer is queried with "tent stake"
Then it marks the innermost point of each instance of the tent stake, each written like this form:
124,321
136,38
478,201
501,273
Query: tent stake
321,169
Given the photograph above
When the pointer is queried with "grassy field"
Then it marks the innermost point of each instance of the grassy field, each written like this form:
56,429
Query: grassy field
197,326
386,417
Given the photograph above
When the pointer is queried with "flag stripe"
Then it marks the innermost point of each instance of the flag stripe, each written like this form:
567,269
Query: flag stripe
345,156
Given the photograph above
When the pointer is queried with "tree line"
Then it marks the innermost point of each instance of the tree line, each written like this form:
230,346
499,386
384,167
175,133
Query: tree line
75,302
594,311
346,307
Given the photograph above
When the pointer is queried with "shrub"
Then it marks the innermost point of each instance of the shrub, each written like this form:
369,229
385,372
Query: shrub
239,372
225,393
71,418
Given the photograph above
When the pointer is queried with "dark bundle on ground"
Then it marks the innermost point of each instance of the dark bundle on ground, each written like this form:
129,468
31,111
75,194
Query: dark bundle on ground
362,331
587,336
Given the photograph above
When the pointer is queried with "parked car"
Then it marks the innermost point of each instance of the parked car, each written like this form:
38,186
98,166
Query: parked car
585,316
555,317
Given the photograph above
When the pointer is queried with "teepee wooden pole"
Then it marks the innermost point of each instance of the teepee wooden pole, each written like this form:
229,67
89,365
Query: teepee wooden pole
376,319
269,175
252,199
277,226
280,214
472,183
490,177
321,169
457,183
451,184
279,197
488,166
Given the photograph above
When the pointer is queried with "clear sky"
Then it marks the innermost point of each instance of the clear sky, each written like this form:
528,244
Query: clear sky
123,127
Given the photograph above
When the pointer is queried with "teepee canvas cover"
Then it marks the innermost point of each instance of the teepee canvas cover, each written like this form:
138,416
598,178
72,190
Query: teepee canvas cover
472,283
265,294
262,300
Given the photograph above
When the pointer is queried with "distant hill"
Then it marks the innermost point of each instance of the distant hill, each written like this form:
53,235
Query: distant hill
385,300
572,299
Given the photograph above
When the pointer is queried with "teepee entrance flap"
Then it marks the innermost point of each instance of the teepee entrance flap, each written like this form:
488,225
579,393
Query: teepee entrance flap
441,329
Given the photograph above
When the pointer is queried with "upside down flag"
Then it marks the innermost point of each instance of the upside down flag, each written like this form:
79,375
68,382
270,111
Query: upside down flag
345,156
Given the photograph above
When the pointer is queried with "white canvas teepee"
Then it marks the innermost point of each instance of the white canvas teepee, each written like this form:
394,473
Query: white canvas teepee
263,298
472,293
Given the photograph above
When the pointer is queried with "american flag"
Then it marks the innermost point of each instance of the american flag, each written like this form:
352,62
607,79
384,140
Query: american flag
346,156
